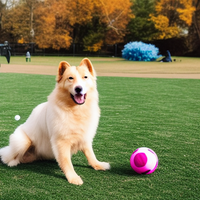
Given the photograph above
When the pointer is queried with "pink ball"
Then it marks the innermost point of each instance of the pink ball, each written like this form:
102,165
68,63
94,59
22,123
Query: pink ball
144,160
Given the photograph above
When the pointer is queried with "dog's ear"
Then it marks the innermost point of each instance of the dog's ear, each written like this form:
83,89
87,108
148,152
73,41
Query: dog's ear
61,69
88,64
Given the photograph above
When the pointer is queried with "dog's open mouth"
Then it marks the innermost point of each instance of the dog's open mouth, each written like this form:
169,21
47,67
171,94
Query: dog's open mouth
79,98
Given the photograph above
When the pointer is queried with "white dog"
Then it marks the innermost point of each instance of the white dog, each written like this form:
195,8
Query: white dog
64,124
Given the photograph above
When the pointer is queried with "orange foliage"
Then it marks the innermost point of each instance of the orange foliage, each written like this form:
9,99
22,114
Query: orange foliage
172,16
56,23
165,31
80,11
116,14
95,47
55,20
186,13
51,31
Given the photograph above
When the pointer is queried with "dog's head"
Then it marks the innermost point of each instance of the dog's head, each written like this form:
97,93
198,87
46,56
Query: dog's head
77,81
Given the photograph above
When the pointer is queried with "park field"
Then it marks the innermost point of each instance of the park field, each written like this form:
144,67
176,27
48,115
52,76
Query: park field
160,113
183,67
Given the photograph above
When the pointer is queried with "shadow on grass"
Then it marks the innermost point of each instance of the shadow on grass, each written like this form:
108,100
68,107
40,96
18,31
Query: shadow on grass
44,167
47,167
51,168
123,171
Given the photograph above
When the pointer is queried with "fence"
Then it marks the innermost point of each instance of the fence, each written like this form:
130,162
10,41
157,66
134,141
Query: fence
176,46
74,50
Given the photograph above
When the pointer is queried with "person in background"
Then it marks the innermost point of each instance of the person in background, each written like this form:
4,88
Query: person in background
28,56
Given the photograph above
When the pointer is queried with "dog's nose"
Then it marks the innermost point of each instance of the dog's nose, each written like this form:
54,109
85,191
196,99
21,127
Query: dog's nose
78,89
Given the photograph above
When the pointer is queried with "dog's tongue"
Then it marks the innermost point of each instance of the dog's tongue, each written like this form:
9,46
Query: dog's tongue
79,98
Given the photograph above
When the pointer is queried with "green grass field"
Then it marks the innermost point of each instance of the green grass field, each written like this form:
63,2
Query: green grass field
162,114
183,65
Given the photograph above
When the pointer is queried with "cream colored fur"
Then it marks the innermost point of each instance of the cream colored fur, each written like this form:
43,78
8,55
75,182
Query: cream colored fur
60,127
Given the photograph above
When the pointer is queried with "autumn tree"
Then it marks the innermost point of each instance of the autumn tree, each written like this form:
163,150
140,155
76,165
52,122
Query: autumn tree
50,26
3,8
17,21
58,23
196,17
91,22
194,30
115,14
172,18
15,24
108,24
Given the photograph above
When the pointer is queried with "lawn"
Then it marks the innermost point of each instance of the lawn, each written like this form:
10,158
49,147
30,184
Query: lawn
103,66
162,114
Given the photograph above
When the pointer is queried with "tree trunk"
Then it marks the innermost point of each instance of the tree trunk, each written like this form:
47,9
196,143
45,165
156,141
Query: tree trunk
1,23
197,17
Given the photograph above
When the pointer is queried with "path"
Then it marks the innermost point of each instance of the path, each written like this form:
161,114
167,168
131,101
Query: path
52,70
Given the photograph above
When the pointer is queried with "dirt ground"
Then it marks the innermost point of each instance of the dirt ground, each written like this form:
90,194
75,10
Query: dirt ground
150,73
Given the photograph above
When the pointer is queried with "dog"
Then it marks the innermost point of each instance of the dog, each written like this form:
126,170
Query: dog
63,125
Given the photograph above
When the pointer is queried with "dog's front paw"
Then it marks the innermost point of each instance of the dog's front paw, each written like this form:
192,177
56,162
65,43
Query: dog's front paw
76,180
13,163
102,166
10,163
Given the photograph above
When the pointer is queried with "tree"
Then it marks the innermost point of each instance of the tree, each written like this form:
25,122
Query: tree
2,10
18,20
172,17
107,25
141,28
186,11
50,27
63,22
16,23
58,23
115,14
196,17
194,31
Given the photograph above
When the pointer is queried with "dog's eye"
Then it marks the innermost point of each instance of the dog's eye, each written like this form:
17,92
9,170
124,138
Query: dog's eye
85,77
70,78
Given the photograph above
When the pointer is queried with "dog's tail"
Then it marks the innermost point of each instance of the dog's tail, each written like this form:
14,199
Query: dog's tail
19,143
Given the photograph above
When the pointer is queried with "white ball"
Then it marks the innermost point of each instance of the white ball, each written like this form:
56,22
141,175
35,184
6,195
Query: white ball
17,117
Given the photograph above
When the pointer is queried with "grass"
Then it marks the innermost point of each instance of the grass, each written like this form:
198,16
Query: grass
162,114
183,65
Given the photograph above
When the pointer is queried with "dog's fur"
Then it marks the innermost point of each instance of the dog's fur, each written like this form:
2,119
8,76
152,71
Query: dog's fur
63,125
